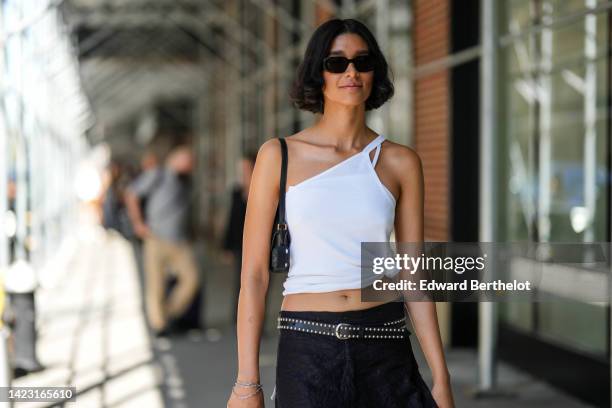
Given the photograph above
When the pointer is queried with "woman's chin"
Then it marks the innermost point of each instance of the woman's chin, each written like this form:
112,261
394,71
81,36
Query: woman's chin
350,103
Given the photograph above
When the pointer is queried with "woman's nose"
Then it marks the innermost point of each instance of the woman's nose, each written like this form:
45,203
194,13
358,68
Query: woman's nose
351,70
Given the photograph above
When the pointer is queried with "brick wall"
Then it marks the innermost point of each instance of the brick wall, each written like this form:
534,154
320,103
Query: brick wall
431,112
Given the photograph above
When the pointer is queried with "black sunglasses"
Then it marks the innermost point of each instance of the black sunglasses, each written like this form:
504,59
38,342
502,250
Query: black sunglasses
338,64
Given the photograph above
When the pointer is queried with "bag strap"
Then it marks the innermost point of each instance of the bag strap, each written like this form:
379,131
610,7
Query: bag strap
283,182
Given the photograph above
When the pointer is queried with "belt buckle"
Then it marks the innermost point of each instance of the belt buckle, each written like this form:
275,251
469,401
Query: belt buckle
341,336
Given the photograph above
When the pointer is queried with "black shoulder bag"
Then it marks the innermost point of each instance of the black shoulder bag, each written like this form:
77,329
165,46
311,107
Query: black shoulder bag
279,247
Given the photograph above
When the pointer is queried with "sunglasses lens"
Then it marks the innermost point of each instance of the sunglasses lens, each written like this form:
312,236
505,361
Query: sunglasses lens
336,64
364,63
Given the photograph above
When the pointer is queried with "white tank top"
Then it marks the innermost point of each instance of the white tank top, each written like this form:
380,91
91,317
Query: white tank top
329,215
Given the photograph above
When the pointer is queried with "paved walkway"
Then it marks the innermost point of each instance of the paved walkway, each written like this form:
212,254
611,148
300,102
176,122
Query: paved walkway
92,334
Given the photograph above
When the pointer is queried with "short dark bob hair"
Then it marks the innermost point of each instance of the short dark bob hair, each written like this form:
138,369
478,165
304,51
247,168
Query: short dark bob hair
307,91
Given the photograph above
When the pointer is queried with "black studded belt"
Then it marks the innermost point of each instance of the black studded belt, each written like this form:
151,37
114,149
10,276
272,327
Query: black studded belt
395,329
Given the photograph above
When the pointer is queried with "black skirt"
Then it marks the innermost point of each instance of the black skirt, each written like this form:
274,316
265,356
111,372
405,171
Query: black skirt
320,371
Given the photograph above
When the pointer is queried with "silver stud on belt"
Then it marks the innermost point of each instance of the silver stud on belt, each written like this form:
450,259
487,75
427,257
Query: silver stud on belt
403,319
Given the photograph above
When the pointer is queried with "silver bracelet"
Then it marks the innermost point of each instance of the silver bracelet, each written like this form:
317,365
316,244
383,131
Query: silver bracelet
247,395
247,384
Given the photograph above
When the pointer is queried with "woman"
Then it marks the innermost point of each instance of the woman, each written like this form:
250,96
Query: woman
347,185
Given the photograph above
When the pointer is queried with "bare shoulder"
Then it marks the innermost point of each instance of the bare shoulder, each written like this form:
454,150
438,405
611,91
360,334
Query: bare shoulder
403,161
304,133
269,149
269,154
266,172
300,147
301,137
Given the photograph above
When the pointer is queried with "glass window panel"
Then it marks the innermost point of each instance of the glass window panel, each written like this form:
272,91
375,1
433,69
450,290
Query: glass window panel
518,313
568,42
562,111
562,8
577,117
554,99
574,323
519,15
519,92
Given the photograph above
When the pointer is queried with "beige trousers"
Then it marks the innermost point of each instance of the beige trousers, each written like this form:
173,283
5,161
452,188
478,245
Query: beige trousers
160,256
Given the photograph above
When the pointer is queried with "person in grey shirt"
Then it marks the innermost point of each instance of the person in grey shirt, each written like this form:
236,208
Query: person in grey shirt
164,228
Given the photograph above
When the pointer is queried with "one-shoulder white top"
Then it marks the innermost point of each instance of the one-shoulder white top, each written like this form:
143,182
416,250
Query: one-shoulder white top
329,215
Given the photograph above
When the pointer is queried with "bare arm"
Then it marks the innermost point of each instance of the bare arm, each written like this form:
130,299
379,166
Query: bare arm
132,203
409,220
261,208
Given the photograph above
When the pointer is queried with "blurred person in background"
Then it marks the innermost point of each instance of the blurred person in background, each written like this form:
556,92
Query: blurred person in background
149,160
20,284
114,211
11,215
166,235
112,197
232,241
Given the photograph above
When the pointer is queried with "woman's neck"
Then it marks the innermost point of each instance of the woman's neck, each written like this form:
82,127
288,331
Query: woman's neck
340,122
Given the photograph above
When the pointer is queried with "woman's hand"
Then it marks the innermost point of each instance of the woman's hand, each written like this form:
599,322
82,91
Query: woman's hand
443,394
256,401
142,230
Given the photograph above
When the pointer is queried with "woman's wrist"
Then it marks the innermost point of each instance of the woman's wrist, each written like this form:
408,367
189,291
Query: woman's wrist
248,377
441,377
247,384
246,391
